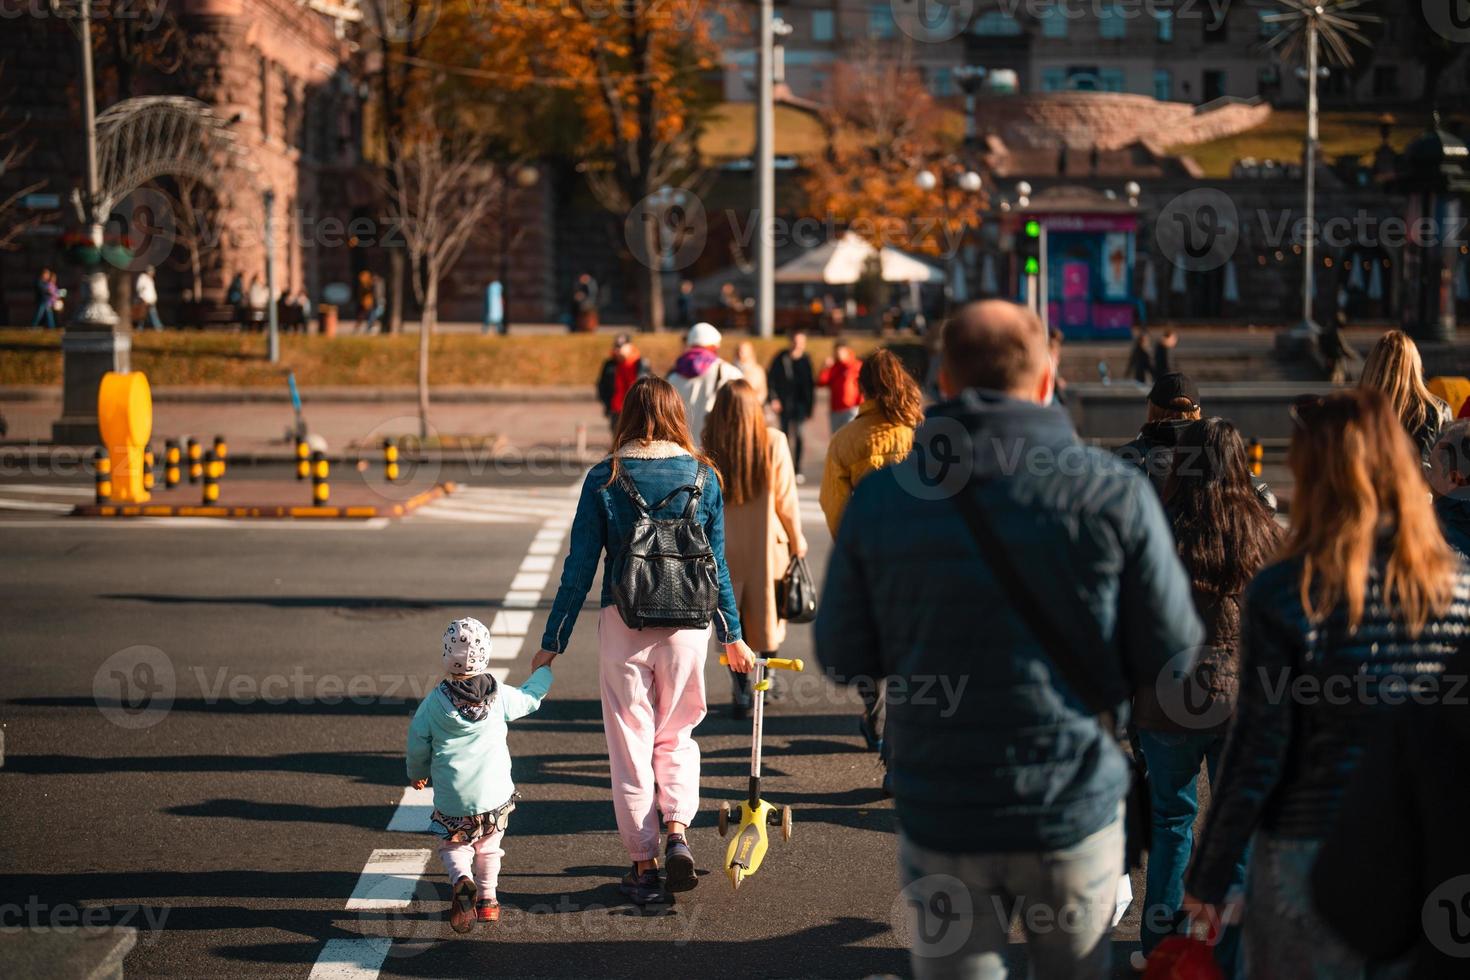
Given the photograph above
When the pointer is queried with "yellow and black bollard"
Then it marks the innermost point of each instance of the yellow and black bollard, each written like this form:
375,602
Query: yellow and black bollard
303,458
221,453
213,468
195,452
390,460
320,471
1257,457
103,464
171,459
148,481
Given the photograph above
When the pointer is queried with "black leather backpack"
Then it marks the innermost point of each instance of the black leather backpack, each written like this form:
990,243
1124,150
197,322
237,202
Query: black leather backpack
665,577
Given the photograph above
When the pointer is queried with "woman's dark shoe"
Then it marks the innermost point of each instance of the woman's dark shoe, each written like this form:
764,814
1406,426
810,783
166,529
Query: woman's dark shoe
488,911
739,710
679,865
644,887
865,729
462,906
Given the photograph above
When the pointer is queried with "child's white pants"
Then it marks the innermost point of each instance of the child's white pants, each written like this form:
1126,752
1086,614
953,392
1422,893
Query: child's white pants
479,861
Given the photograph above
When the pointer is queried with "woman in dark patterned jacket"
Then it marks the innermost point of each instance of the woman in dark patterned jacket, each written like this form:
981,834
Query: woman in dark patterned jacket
1225,534
1355,621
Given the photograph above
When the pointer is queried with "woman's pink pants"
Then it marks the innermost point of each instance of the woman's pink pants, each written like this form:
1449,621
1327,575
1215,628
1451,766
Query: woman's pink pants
652,698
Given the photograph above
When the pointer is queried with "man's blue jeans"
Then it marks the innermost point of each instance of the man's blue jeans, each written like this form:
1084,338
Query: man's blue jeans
45,314
1173,782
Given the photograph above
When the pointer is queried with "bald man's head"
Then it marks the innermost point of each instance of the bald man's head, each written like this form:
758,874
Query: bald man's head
998,346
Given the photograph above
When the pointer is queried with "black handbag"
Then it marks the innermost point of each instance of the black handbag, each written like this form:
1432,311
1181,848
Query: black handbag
665,576
1137,817
796,593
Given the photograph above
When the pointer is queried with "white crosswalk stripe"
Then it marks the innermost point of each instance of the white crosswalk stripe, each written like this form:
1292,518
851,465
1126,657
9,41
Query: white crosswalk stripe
42,498
499,505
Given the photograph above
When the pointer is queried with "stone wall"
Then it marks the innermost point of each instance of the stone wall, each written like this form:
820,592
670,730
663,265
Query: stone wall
1108,120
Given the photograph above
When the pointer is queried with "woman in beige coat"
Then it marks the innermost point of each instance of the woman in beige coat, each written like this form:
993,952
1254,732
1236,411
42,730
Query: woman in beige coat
762,517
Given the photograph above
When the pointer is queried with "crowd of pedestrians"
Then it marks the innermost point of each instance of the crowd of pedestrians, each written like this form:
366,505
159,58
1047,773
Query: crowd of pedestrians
1105,629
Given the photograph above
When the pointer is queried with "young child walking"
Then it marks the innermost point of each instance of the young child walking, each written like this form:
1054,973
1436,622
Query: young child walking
457,739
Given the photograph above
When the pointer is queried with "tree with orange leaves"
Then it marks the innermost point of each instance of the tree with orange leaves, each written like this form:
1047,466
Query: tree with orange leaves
882,130
633,74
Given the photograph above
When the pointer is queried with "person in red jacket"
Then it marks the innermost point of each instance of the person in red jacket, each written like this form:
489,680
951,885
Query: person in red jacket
623,366
840,377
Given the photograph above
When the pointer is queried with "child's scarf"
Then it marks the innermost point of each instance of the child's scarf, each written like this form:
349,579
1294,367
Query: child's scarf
471,697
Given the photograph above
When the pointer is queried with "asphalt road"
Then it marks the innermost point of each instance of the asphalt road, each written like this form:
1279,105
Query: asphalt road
230,817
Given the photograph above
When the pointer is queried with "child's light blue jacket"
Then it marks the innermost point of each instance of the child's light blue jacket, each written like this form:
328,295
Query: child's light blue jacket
469,761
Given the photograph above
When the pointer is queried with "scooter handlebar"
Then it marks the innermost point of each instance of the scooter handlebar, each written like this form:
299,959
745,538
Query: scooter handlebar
773,663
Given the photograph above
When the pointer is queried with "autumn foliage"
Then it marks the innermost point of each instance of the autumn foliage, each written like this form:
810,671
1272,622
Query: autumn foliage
882,129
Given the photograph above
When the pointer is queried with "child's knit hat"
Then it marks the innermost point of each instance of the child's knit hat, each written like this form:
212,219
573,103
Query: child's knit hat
467,647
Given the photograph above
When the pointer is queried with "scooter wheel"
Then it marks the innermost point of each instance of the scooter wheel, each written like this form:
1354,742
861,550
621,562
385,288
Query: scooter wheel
724,819
786,823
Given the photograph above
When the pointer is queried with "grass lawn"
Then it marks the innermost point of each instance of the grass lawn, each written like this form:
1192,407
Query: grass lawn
33,357
1280,138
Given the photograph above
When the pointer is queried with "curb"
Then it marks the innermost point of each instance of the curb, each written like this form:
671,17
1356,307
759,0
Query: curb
340,394
278,511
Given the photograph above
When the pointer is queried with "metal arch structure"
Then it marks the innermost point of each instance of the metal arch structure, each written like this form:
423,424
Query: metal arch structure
144,138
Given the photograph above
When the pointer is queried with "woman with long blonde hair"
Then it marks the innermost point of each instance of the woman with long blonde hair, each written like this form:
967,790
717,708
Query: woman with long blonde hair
1364,604
652,678
1395,368
762,517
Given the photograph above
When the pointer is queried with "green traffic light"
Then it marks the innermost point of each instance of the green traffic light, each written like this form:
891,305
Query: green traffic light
1033,228
1033,266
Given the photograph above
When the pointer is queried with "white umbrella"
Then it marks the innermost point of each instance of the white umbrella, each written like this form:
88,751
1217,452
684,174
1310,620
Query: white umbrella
841,263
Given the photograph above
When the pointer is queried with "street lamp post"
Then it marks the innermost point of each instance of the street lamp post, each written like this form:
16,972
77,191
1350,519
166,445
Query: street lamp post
967,182
272,313
765,228
92,344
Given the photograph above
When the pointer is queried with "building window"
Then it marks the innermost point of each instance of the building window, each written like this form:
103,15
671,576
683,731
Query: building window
880,21
1112,25
822,25
1269,29
996,23
1110,80
1053,80
1163,84
1054,22
1386,81
941,82
1268,81
1215,85
1164,21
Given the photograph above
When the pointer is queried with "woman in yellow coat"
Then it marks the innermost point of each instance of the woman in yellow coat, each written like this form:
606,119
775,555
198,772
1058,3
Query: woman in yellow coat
762,517
881,435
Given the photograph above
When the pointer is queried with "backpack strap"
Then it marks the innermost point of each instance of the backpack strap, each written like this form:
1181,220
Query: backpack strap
631,489
695,492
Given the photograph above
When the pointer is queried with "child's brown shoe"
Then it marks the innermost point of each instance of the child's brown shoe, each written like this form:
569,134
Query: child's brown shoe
462,906
488,911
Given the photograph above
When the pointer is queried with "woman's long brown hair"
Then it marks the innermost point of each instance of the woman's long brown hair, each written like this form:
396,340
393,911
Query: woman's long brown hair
884,379
653,411
736,439
1357,477
1395,368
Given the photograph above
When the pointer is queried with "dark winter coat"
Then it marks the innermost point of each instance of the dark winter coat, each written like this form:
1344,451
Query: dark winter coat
1312,696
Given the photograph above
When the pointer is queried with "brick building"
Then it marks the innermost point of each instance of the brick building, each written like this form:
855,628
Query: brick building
284,76
1190,51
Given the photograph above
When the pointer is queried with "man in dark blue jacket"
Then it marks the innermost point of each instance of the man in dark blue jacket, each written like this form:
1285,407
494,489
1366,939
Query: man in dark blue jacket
1008,791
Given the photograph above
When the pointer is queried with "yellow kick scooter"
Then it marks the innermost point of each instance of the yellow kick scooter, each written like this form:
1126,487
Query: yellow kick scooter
743,858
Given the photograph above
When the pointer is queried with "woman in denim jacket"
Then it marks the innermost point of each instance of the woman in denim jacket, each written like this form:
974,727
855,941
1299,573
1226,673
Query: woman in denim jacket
652,679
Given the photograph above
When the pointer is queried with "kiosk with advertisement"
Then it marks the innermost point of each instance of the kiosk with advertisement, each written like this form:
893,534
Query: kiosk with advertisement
1090,244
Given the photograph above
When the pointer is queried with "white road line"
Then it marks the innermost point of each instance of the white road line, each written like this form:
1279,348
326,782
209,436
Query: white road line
48,490
522,599
529,581
389,879
45,506
414,810
218,523
511,622
351,959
